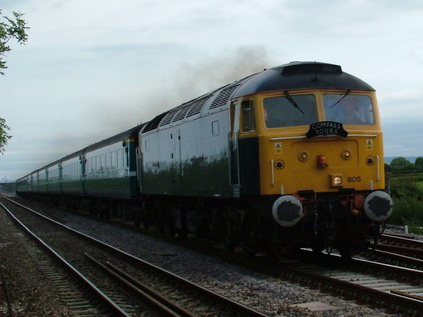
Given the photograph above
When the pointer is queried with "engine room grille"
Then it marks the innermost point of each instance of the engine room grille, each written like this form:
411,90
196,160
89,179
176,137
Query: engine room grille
168,118
224,96
182,112
153,124
197,106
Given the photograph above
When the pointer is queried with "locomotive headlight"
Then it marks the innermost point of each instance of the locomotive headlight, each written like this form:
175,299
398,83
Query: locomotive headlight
337,180
303,156
346,154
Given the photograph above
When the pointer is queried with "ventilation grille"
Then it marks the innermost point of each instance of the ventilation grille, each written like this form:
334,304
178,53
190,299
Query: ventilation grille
168,118
223,96
153,124
182,112
197,106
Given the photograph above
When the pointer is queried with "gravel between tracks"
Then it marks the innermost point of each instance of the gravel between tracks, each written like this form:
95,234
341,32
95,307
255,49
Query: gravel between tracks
29,290
33,296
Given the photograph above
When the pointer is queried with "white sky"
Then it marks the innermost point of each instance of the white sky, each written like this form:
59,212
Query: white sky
93,68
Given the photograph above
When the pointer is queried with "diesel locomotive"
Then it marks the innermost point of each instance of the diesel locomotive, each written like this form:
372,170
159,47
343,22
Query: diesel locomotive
286,158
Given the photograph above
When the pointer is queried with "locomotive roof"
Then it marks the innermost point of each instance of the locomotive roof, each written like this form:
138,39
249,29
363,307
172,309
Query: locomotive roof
300,75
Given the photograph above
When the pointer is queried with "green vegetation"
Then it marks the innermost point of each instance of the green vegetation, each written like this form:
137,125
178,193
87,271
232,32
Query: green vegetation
406,189
11,29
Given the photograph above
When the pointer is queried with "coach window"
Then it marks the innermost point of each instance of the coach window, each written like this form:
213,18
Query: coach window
120,159
248,123
98,163
108,161
114,159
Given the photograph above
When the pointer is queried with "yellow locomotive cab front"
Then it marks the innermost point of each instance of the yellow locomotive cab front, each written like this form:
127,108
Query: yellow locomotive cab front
321,155
337,156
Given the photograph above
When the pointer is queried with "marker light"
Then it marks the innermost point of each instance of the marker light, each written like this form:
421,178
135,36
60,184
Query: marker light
303,156
337,180
346,154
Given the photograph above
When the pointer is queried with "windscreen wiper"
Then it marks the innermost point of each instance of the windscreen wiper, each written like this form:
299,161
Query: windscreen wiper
346,94
292,101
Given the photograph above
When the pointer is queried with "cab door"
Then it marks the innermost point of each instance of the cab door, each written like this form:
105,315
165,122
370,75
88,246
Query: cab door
248,149
234,113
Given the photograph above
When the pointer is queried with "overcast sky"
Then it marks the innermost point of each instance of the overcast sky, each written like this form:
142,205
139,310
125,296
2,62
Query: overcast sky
93,68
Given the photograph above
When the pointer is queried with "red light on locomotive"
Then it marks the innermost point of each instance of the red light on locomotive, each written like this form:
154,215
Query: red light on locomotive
321,161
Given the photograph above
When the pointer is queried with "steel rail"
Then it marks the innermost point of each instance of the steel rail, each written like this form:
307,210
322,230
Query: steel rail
400,249
405,239
240,308
383,299
408,260
115,308
4,295
141,292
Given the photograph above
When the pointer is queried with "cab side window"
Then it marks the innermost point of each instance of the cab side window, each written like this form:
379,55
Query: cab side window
248,123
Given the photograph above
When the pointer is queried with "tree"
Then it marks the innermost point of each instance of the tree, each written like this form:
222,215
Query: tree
8,30
12,28
4,137
419,162
400,163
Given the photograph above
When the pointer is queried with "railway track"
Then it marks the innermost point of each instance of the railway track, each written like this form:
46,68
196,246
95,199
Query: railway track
396,290
401,250
108,270
401,244
6,306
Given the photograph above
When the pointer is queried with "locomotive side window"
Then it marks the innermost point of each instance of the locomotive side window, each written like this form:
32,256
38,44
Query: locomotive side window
290,110
349,109
248,123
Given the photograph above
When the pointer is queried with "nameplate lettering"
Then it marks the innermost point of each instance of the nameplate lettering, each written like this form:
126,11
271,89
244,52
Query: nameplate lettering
326,128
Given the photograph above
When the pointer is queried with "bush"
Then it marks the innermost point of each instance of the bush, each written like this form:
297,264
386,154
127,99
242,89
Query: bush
406,187
407,212
407,197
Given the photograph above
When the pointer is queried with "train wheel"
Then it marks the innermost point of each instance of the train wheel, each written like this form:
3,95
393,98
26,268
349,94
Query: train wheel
318,247
231,217
147,218
345,251
318,244
250,235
